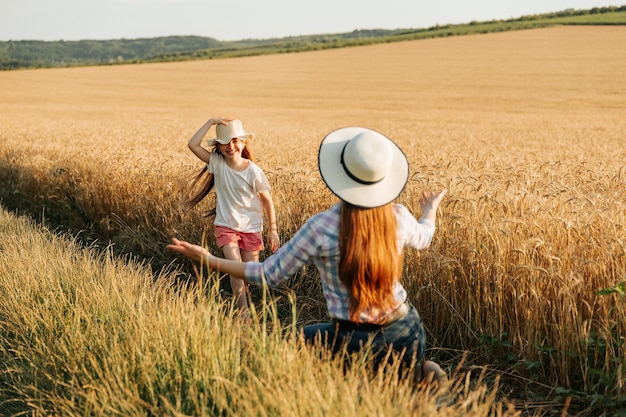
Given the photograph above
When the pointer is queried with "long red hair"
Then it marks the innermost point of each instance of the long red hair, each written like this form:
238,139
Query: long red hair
206,181
370,261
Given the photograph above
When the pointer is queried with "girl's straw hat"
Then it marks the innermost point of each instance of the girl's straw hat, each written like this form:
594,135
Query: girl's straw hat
226,133
362,167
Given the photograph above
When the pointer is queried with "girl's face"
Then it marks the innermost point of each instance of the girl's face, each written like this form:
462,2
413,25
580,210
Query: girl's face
233,148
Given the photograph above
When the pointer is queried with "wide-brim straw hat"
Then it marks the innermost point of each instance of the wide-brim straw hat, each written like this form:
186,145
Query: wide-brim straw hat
226,133
363,167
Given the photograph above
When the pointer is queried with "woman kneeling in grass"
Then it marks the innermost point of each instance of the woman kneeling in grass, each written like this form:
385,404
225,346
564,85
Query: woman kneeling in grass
357,247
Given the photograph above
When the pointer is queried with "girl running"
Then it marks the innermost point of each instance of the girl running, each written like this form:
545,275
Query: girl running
243,195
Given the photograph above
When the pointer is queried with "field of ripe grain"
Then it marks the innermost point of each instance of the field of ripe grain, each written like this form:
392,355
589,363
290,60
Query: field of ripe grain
526,129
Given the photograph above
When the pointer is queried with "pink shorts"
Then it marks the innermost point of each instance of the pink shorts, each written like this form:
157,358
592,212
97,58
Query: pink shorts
247,241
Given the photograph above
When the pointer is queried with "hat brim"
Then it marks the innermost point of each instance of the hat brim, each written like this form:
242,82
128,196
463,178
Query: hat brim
351,191
226,141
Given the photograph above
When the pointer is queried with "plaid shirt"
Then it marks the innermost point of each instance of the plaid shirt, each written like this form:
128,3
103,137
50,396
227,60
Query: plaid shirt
317,242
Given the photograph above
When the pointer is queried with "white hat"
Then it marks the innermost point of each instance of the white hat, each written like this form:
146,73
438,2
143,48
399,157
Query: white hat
226,133
362,167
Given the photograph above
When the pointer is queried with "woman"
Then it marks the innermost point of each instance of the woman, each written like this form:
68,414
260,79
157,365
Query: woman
357,247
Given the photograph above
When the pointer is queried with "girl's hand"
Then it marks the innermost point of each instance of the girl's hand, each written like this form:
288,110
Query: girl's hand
195,143
273,241
193,252
221,120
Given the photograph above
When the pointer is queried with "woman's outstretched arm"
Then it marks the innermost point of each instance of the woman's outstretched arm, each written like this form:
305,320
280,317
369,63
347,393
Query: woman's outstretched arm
199,254
429,203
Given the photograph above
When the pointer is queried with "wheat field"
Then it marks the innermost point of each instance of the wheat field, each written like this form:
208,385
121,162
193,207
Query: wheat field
527,131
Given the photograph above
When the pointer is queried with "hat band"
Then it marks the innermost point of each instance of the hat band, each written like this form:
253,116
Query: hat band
351,175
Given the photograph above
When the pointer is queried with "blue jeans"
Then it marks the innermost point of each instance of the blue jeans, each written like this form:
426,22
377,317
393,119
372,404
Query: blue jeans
405,336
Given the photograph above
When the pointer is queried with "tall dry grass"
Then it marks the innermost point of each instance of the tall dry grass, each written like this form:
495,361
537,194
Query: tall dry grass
84,332
525,129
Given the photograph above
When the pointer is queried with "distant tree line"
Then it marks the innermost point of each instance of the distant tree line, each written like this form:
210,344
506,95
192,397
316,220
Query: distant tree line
42,54
33,54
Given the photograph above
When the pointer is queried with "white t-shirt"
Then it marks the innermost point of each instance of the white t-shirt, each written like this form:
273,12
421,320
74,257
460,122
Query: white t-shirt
238,203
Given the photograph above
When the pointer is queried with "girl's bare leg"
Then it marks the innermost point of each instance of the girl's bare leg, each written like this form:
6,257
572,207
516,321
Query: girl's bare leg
238,286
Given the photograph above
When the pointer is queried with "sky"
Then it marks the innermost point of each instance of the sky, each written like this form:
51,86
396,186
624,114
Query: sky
229,20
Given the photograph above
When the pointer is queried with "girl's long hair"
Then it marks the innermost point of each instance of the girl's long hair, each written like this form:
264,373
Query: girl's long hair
206,181
370,261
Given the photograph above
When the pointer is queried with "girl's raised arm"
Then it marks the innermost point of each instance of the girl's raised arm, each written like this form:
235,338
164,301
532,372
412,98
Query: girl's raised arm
195,143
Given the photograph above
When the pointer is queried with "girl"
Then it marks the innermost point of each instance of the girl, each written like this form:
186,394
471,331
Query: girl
357,247
243,194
